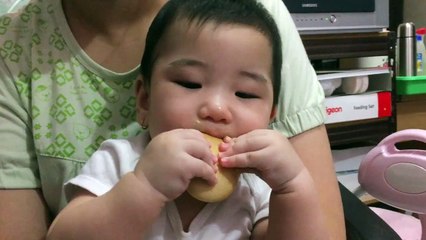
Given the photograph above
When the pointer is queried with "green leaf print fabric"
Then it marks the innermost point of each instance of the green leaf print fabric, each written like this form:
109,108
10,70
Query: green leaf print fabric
56,104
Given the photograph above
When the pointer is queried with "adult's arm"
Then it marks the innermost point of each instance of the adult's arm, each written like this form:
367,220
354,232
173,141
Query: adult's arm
23,212
301,116
314,149
23,215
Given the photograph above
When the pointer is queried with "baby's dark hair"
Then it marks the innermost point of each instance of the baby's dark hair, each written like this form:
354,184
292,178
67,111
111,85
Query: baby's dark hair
241,12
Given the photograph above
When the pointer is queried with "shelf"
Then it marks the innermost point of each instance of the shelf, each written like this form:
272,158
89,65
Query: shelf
360,133
360,118
328,46
327,75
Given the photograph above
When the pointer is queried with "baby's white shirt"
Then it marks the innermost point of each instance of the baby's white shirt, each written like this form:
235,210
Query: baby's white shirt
233,218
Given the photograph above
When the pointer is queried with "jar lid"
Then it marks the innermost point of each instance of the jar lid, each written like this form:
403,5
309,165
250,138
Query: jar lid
421,31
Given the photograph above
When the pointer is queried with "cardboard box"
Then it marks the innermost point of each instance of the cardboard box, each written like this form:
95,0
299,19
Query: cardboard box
357,107
411,112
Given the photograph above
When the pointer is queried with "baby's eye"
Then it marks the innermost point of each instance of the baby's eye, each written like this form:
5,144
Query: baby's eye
245,95
188,84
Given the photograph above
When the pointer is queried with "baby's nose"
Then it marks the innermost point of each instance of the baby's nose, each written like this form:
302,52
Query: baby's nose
216,109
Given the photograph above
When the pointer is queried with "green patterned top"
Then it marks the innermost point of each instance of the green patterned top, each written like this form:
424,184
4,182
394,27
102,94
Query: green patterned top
56,104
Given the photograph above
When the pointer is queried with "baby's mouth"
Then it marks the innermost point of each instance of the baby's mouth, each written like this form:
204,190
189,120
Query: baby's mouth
204,129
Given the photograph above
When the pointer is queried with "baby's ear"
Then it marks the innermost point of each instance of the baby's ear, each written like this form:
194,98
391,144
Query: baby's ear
142,100
142,97
273,114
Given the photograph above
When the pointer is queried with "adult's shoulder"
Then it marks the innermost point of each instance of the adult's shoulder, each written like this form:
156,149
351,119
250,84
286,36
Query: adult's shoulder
23,30
31,17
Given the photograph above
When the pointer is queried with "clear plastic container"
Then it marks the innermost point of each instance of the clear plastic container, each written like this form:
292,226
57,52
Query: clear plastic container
421,51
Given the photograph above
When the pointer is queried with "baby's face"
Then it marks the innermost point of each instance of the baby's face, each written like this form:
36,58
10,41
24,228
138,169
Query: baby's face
217,79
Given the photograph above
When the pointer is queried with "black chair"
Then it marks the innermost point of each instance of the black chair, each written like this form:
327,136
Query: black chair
361,222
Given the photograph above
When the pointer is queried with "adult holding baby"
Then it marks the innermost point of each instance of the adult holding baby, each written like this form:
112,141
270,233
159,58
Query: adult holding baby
67,92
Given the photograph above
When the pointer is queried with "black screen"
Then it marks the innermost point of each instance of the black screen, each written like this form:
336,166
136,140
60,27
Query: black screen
329,6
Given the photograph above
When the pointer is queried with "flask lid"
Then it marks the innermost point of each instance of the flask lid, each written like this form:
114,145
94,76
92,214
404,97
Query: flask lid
406,30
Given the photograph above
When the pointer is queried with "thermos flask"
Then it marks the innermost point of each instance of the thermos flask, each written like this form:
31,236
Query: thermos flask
406,50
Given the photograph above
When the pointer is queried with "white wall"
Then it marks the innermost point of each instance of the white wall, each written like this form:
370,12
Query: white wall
415,11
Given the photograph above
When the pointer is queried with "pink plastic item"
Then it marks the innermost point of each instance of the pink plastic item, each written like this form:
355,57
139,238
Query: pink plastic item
397,177
406,226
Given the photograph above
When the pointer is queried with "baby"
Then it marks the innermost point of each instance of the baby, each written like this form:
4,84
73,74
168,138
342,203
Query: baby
209,67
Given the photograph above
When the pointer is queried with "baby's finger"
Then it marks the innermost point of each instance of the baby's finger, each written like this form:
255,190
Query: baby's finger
200,149
245,143
242,160
226,144
202,170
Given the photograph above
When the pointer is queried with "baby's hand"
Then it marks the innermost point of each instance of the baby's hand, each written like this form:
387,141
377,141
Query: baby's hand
265,152
173,158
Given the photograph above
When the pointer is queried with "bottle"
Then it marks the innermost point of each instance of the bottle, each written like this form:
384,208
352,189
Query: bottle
421,51
406,50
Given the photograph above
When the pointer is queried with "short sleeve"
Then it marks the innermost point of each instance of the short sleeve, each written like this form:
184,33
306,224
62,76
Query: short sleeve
301,103
18,162
113,159
260,193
